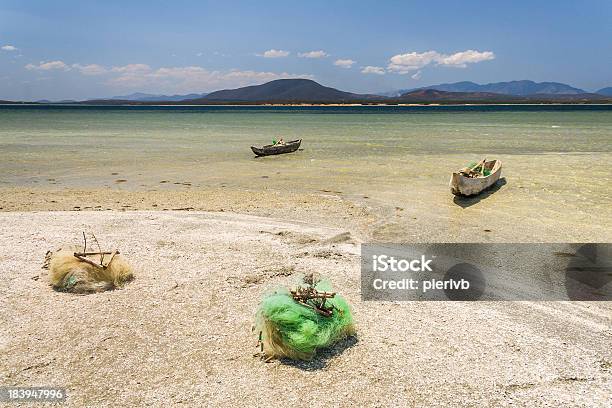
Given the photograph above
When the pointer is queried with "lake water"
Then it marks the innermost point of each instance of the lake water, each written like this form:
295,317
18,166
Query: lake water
556,158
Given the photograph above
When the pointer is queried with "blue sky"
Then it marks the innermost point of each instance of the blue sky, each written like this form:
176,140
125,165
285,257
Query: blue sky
82,49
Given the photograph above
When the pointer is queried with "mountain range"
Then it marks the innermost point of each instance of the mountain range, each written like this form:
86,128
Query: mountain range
309,91
518,88
605,91
306,90
286,90
435,96
283,91
423,95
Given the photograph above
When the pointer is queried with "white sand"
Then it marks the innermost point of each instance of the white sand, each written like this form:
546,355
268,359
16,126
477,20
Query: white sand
180,333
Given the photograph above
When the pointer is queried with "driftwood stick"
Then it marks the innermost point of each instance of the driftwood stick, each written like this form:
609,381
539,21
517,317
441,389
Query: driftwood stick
311,298
99,249
479,164
310,295
86,260
471,171
95,253
112,255
323,312
82,256
482,167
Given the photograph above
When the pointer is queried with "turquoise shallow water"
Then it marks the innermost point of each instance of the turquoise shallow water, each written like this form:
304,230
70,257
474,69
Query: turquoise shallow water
556,160
67,142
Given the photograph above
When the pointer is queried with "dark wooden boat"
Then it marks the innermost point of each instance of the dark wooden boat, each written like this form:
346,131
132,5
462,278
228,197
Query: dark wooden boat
269,150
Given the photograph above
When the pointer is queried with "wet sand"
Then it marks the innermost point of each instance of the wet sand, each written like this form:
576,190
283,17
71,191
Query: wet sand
519,208
181,332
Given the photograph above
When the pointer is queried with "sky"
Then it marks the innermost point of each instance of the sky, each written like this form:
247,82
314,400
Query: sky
88,49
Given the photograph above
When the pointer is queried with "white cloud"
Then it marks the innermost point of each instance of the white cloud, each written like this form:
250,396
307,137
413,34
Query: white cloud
344,63
413,61
199,54
143,77
48,66
461,59
416,76
182,79
8,47
274,54
373,70
91,69
132,68
313,54
189,78
405,63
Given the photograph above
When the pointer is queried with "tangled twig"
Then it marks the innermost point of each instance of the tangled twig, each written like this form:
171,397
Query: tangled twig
82,256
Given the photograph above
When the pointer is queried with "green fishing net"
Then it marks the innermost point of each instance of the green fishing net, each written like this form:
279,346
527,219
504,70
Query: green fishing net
487,172
290,329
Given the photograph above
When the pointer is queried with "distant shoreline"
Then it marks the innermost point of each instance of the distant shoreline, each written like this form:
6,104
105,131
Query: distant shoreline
306,92
332,105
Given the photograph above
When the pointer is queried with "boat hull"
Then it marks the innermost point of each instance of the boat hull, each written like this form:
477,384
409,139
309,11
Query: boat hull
271,150
466,186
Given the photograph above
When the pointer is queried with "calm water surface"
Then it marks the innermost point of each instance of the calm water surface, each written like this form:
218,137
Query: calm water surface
556,159
207,144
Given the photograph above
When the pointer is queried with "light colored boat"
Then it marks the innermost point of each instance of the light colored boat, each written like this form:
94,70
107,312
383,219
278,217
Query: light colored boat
461,184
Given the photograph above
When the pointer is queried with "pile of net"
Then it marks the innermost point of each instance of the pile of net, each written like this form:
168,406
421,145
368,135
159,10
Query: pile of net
296,323
474,169
81,270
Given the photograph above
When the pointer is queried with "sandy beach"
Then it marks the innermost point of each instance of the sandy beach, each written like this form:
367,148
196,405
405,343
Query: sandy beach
209,229
181,332
317,204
